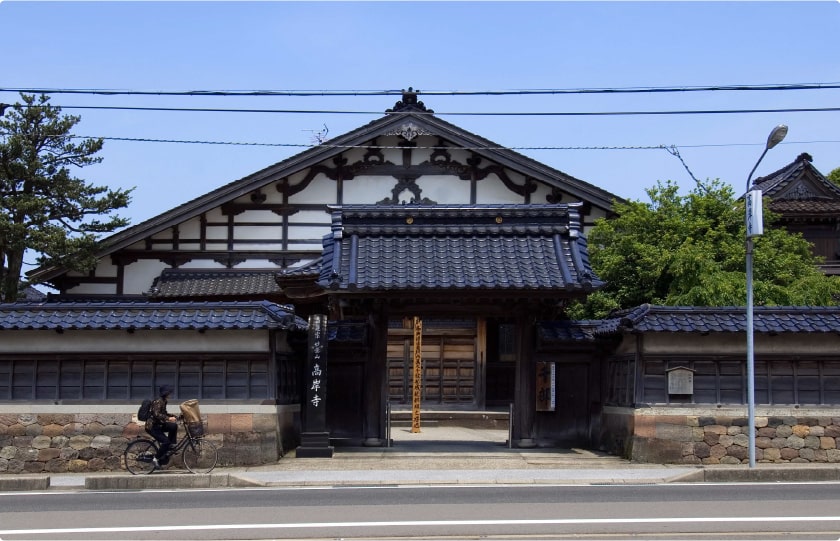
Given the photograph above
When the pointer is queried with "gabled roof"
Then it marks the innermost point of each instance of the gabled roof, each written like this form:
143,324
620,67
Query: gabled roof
142,315
799,188
408,116
728,319
185,283
514,248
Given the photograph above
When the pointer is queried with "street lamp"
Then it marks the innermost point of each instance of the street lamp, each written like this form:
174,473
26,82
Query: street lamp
752,201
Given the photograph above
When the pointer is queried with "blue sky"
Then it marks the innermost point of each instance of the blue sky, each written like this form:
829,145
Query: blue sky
469,46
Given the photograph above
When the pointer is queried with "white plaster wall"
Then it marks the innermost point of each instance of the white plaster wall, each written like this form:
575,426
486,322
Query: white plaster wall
191,229
445,189
201,264
311,216
368,189
321,190
493,190
140,275
259,216
735,344
140,341
265,231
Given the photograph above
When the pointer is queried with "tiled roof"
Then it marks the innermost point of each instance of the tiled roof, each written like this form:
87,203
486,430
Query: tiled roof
566,331
148,315
798,181
536,248
785,206
185,283
732,319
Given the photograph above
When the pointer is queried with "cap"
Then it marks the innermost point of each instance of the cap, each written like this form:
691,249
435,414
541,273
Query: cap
165,390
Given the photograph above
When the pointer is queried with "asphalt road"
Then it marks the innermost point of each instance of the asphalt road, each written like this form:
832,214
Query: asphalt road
695,511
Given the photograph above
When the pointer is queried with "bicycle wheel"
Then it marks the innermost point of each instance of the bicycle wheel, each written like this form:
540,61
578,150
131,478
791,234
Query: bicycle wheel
138,457
200,456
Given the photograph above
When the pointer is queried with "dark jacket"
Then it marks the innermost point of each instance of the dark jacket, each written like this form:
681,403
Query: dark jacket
158,416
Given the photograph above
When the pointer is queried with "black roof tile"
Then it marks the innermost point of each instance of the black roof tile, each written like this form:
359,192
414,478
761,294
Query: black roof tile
184,283
733,319
148,315
475,247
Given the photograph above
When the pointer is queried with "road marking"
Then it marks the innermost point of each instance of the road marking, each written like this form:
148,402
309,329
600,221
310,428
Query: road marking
397,523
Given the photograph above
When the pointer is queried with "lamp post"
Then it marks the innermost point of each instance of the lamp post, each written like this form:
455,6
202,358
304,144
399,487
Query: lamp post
752,202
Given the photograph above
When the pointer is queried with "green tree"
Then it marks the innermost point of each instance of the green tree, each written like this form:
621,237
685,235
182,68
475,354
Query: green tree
688,250
44,208
834,176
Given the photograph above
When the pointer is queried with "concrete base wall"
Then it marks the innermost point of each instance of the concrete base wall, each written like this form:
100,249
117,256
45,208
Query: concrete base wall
78,438
670,435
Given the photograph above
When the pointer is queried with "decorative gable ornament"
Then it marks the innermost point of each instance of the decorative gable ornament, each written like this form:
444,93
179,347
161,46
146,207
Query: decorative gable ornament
409,131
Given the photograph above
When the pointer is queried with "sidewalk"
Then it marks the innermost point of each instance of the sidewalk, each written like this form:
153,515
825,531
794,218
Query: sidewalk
436,456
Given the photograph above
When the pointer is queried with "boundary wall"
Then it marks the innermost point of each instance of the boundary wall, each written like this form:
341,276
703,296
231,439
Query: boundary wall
669,435
38,438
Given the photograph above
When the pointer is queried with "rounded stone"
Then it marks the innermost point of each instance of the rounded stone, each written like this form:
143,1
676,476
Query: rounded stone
795,442
100,442
96,464
788,453
772,454
812,442
783,431
807,454
801,430
763,443
68,453
741,440
79,442
57,465
41,442
53,430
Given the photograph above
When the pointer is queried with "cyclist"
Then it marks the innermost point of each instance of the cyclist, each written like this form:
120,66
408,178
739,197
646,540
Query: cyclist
161,426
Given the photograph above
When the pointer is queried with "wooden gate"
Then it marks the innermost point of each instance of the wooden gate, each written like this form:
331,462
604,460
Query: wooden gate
449,365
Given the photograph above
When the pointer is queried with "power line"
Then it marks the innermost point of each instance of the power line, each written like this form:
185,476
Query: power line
374,147
396,147
393,92
455,113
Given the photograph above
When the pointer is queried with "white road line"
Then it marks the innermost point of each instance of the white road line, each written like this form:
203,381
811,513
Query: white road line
396,523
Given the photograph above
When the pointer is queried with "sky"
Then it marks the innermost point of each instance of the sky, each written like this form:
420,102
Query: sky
432,46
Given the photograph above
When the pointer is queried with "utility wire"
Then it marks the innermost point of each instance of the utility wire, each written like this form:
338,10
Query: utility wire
512,92
374,147
673,149
416,112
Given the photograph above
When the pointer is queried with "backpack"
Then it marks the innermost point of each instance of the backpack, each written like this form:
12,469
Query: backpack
145,410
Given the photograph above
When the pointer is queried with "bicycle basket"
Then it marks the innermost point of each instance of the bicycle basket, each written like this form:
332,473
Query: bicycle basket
196,429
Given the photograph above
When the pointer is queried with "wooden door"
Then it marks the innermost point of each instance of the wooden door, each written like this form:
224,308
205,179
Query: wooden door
449,366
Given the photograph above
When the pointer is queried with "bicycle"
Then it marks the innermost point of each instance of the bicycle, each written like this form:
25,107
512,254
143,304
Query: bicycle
199,455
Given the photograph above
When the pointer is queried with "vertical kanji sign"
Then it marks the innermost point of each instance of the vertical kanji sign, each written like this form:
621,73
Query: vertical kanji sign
416,375
546,390
316,375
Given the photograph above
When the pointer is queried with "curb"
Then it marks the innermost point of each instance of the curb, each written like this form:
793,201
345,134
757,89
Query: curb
182,480
25,483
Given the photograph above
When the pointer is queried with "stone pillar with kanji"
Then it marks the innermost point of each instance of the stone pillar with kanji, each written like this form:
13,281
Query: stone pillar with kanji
315,438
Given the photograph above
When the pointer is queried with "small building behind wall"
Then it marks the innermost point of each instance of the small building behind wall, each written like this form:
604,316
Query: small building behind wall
72,376
675,385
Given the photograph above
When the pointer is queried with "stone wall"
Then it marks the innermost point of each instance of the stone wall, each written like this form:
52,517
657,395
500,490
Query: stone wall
38,439
718,436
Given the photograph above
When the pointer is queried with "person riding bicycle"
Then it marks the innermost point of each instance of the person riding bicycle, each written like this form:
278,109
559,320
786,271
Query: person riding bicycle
162,426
